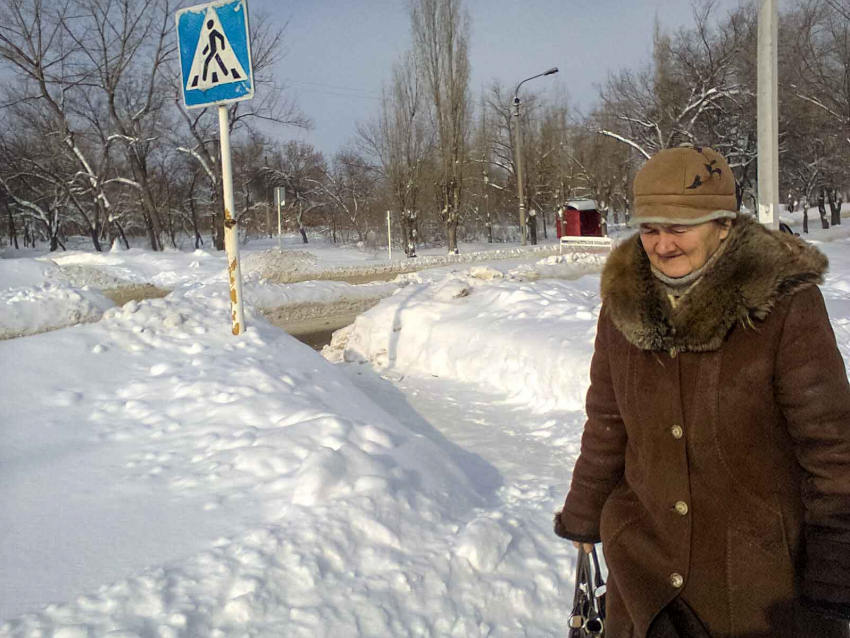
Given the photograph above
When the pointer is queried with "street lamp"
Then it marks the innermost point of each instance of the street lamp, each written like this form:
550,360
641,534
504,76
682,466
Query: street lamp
520,193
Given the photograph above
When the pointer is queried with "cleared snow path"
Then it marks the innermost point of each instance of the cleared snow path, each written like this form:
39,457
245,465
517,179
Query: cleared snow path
499,445
519,462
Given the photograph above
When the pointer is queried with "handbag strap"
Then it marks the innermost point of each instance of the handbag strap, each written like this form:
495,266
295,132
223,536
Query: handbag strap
588,613
598,585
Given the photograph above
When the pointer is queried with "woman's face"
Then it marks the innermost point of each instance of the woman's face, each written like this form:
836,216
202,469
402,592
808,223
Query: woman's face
677,251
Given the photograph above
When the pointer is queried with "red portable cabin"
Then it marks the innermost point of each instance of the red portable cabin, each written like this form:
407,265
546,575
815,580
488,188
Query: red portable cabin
579,218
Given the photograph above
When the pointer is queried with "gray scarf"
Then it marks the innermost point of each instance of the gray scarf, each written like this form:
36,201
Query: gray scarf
678,287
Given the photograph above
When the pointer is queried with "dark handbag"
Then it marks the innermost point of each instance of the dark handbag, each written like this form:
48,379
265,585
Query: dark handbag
588,616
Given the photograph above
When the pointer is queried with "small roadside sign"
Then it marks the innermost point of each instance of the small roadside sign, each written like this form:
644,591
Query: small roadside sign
279,202
215,53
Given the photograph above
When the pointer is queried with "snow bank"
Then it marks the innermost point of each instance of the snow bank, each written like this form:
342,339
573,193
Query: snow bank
166,269
26,272
262,489
97,277
265,294
836,287
26,311
37,295
307,299
441,261
273,263
530,342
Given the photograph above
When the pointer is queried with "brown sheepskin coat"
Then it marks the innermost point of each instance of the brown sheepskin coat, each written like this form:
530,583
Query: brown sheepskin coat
715,461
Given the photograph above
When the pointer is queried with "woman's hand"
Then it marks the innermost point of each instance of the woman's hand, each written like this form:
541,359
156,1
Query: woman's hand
588,547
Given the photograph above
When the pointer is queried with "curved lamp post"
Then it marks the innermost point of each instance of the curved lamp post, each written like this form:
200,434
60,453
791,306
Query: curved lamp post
520,178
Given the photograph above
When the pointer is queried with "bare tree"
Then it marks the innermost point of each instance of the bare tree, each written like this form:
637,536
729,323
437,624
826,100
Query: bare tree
440,30
498,102
398,138
48,77
691,75
127,45
39,195
816,69
349,187
544,145
479,180
604,170
820,58
300,169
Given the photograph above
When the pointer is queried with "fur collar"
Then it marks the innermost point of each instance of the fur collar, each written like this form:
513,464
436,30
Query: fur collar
759,268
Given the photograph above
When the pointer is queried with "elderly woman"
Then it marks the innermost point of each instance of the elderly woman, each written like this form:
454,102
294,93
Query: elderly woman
715,461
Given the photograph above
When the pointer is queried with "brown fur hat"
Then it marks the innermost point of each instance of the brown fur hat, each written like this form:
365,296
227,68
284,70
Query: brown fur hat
684,185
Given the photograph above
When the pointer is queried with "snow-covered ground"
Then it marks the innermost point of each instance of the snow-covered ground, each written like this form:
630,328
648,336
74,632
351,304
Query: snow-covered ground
160,477
172,268
42,291
255,484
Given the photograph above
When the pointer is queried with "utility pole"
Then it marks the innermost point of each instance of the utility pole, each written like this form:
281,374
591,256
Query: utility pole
519,175
520,178
768,115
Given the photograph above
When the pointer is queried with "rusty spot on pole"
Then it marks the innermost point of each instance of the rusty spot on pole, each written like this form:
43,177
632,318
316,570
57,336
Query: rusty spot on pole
231,267
236,330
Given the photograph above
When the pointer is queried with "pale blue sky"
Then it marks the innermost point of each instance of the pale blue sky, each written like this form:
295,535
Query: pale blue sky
341,51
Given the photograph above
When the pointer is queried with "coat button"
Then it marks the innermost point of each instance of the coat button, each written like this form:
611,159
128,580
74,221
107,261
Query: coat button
676,580
681,507
677,431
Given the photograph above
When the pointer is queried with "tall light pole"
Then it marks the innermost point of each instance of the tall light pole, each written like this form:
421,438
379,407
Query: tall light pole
519,175
768,115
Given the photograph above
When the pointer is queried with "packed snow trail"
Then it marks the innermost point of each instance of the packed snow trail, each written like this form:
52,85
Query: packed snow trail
519,462
514,458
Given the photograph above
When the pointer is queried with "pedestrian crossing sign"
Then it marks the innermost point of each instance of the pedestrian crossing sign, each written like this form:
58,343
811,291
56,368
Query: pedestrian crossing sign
215,53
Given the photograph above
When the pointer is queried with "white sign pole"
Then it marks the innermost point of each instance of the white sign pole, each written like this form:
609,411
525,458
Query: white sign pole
390,234
231,236
215,65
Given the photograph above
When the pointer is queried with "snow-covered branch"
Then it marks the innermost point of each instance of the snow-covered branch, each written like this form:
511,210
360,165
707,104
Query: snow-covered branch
125,181
822,106
622,139
193,153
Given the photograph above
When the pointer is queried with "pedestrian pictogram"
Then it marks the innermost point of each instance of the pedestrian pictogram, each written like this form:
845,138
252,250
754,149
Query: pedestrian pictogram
214,62
215,53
